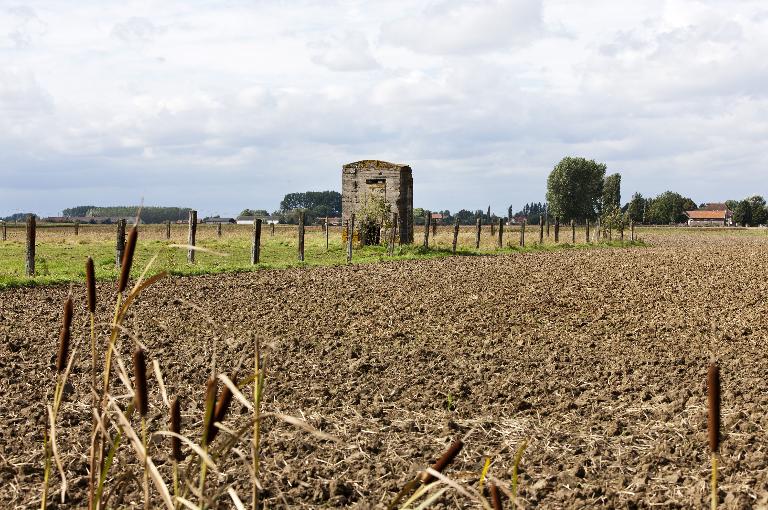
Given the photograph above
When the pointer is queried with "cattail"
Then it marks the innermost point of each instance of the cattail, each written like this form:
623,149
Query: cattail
222,406
140,381
495,496
176,453
90,284
125,269
210,405
64,336
443,461
713,399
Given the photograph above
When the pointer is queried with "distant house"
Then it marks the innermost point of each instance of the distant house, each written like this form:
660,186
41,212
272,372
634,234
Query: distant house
710,218
248,220
219,220
437,218
332,221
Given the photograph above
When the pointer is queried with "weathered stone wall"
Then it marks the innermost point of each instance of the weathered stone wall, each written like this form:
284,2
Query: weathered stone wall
362,178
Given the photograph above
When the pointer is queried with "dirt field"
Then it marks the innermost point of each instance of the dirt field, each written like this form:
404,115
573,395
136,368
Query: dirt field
597,357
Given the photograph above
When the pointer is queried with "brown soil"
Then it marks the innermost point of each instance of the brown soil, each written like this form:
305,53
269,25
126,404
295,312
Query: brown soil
597,357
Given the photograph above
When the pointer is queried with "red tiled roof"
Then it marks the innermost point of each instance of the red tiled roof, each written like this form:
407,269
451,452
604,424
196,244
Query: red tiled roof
706,215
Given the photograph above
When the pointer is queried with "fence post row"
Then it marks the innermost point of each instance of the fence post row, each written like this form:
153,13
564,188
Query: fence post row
392,231
301,237
541,229
350,234
427,221
192,236
522,233
455,235
168,229
120,243
256,243
557,229
501,233
31,235
573,232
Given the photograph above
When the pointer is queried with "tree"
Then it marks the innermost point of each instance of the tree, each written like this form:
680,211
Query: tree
316,204
731,204
254,212
743,213
669,207
635,208
510,214
611,193
758,211
575,188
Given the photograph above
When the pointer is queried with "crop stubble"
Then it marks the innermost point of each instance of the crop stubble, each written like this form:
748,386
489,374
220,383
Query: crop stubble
597,357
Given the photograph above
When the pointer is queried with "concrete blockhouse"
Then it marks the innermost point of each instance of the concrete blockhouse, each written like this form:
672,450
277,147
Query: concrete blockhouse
391,181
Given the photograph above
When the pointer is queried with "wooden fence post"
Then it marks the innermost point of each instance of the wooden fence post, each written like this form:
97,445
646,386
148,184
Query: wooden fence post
546,219
557,229
392,231
427,221
327,226
5,231
350,235
301,237
434,227
477,233
168,229
621,232
632,231
256,243
192,235
501,233
77,228
218,229
455,235
522,233
597,231
493,229
120,243
586,235
272,234
31,235
541,229
573,232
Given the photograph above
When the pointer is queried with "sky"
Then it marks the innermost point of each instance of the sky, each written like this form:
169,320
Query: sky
225,105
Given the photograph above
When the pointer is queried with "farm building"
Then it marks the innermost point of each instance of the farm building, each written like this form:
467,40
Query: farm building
710,218
437,218
365,181
248,220
218,220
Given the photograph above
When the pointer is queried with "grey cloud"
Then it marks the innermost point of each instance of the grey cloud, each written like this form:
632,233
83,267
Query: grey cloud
466,27
348,51
136,29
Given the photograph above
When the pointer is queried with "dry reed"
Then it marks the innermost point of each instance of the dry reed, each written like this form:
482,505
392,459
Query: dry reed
125,268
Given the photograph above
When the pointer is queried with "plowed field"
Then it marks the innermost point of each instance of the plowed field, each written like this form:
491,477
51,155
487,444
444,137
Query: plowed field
597,358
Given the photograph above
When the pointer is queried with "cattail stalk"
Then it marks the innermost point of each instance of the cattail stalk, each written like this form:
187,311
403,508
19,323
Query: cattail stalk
258,388
125,268
443,461
65,334
713,401
220,412
210,406
495,496
90,287
176,455
141,403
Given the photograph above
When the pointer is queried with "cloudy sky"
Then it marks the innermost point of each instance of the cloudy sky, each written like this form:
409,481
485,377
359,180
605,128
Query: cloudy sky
222,105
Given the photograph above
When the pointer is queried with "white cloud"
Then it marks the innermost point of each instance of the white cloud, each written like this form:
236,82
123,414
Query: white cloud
232,105
348,51
461,26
